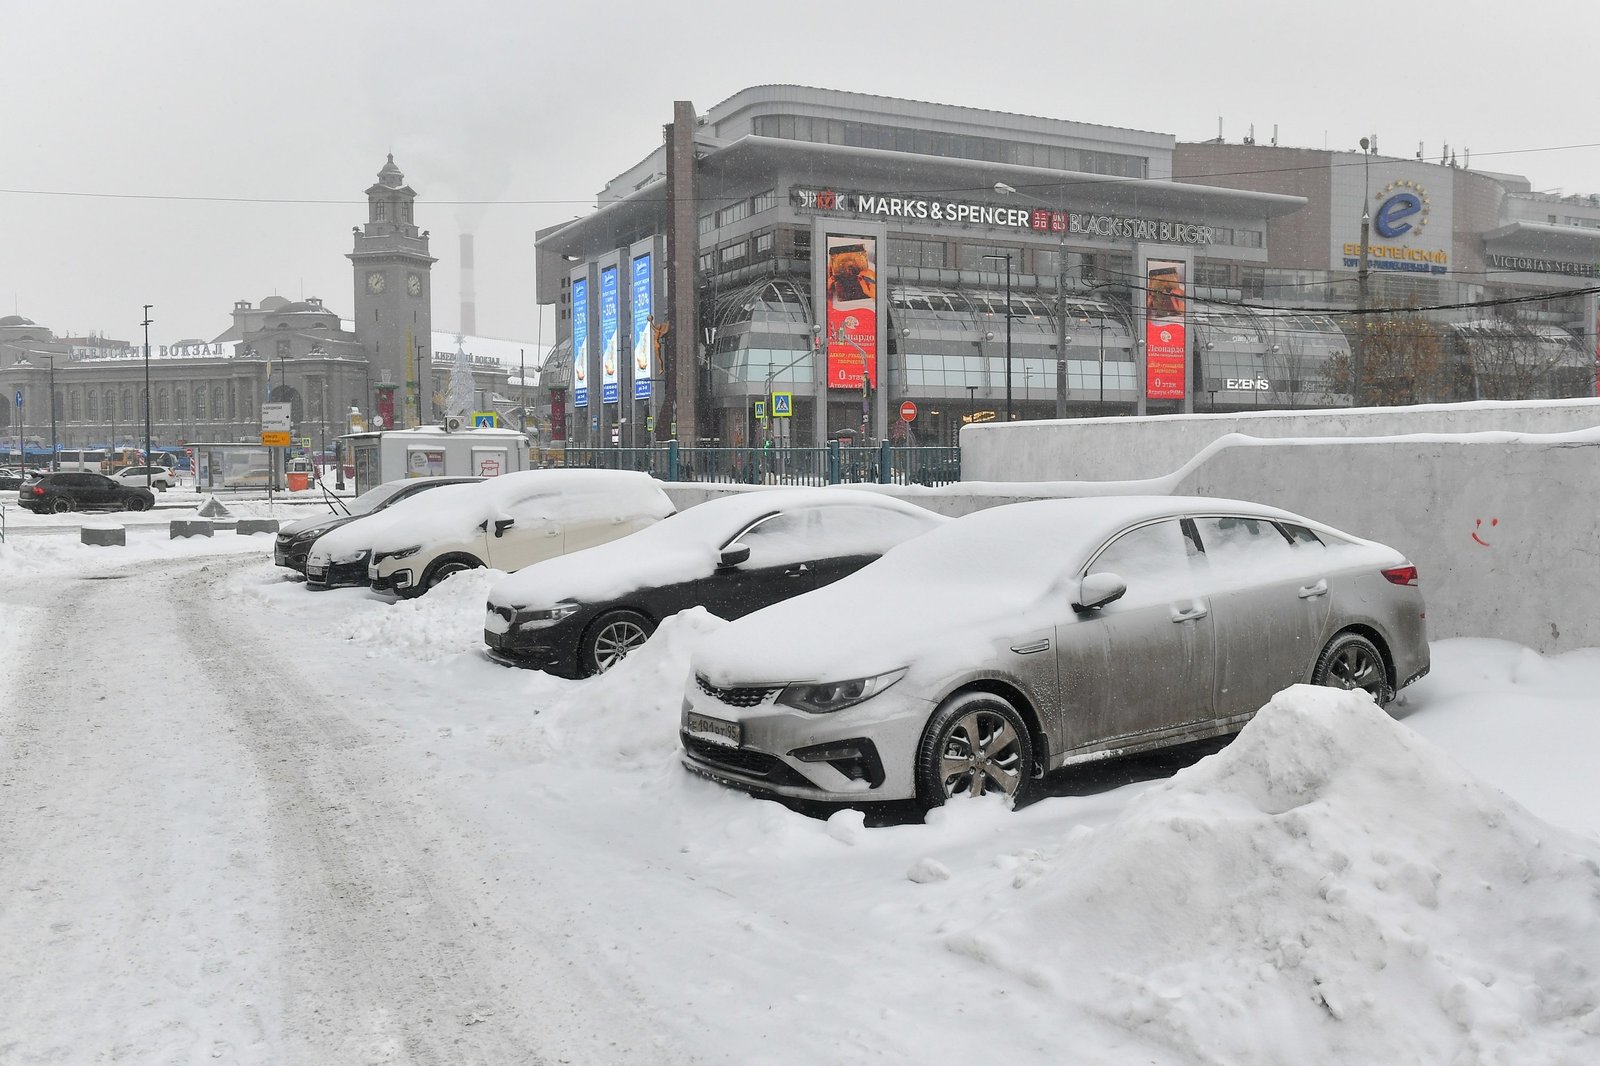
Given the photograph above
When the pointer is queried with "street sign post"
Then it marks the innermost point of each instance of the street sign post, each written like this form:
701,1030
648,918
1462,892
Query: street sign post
783,405
908,411
485,420
277,420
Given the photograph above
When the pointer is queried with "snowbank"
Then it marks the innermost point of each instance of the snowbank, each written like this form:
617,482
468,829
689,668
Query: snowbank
1330,888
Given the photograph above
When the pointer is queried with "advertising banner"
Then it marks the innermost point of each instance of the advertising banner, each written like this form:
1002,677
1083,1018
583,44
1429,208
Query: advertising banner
643,346
580,342
852,283
1165,348
608,335
1411,208
558,414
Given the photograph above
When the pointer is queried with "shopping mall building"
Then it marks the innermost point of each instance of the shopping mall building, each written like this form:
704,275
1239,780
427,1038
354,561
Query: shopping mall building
742,280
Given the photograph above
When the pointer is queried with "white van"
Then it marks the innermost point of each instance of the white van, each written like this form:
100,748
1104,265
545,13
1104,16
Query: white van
90,461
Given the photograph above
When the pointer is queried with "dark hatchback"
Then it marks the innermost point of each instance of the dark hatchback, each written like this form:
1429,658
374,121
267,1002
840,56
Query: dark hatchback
582,613
295,539
59,493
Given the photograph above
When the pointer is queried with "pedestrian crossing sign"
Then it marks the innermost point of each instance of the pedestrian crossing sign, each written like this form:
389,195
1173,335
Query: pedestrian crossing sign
782,405
485,420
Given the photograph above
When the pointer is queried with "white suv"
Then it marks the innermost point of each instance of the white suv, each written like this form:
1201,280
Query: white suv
504,522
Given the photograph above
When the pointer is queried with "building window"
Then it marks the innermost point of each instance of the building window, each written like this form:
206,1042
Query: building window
733,213
707,223
75,407
763,244
94,407
162,404
733,253
216,404
380,211
914,253
127,405
971,257
180,403
708,262
764,201
200,402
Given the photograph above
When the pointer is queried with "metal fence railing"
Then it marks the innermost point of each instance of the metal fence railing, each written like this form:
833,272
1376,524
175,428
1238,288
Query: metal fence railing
883,464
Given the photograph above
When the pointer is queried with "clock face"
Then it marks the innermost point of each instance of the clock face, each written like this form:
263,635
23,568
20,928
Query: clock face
413,285
375,282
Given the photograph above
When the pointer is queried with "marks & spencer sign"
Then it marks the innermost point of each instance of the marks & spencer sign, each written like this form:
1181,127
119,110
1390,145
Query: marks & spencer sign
1000,216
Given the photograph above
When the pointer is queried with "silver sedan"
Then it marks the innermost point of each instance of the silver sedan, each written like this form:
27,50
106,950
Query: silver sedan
1025,638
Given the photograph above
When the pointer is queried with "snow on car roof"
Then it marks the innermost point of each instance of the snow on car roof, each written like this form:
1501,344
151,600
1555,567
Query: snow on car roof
986,570
453,512
682,548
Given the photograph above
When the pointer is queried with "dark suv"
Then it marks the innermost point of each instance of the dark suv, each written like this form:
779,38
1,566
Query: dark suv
62,492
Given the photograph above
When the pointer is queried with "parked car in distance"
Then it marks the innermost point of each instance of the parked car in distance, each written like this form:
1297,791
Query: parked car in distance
295,538
505,522
78,491
11,480
1032,636
584,612
160,477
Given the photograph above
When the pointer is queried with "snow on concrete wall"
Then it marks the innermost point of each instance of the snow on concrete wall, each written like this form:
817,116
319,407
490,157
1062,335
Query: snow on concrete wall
1120,449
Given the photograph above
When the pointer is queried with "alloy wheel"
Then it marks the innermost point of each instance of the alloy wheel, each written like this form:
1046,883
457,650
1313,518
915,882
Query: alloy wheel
981,753
614,640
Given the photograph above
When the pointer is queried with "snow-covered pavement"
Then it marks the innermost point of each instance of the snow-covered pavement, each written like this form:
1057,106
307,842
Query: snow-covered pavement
241,822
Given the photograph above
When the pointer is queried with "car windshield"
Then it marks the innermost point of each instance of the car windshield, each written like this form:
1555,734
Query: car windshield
375,497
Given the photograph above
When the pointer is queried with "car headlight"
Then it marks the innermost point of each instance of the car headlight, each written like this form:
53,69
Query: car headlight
828,696
403,553
541,617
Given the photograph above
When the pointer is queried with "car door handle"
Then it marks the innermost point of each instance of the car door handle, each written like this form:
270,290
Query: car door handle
1319,589
797,571
1189,613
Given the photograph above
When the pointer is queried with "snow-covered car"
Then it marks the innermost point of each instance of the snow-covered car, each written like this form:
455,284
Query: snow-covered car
582,613
505,522
1028,637
160,477
295,538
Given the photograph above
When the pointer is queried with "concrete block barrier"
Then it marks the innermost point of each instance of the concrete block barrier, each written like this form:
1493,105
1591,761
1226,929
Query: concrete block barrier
105,536
247,526
183,527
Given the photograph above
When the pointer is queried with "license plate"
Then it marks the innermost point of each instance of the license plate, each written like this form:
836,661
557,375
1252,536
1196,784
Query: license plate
724,732
315,571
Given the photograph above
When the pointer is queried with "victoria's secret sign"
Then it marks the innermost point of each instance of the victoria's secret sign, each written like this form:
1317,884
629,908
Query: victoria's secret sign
1038,220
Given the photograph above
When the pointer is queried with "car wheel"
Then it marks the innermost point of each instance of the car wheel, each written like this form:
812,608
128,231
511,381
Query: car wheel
441,570
612,638
975,744
1352,661
140,504
60,505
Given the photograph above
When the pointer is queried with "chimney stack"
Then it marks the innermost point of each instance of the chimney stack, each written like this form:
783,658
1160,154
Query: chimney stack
469,296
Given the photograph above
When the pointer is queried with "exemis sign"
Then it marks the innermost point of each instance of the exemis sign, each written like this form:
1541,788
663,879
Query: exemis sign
1000,216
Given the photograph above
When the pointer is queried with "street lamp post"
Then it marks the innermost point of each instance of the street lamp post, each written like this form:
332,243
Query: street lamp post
1061,295
1007,258
54,447
147,449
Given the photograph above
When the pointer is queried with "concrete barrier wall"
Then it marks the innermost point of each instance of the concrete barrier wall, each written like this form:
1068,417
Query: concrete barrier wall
1503,531
1120,449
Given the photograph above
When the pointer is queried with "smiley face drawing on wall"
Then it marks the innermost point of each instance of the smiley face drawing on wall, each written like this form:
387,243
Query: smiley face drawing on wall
1478,526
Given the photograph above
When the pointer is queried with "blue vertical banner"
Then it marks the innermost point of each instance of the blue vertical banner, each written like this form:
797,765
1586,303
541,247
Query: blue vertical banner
643,342
580,342
609,393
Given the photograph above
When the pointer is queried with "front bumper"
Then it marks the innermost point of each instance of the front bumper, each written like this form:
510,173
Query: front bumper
865,753
351,574
291,555
400,579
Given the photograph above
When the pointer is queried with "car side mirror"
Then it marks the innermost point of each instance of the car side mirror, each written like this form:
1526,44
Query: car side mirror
503,524
1097,590
733,556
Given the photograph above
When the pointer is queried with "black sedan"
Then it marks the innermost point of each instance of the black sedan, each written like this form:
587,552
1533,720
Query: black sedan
295,538
61,492
582,613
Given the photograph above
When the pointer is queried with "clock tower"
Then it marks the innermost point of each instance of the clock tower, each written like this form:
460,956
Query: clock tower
394,294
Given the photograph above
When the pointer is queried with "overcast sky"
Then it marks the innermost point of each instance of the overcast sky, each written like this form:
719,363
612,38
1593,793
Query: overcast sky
188,155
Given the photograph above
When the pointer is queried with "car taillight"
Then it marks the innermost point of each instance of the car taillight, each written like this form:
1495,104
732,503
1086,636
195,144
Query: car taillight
1401,575
38,490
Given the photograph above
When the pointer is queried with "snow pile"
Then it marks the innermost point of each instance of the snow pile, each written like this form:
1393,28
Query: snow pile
447,621
1330,888
627,716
